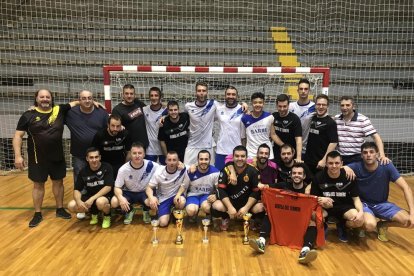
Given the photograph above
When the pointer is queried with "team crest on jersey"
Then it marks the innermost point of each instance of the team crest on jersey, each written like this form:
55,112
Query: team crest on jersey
318,123
37,119
118,140
285,121
222,113
130,177
99,173
339,185
246,178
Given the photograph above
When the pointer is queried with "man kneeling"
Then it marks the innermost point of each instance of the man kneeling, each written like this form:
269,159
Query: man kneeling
97,179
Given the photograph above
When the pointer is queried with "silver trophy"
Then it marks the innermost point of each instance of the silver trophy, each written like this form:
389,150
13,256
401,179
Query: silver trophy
155,223
206,223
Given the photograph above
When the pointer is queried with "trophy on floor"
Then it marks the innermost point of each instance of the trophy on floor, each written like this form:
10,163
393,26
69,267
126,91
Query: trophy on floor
206,223
246,227
155,223
179,215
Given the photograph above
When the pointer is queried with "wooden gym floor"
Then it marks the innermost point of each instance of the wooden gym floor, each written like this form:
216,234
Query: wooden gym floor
73,247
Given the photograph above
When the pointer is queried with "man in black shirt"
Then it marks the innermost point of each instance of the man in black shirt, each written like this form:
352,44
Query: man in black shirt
44,125
97,179
338,195
323,135
132,115
113,143
286,129
234,201
173,135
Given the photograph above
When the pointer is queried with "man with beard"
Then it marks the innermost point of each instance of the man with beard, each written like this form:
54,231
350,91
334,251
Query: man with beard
97,179
173,135
323,136
198,186
153,113
44,125
167,181
286,128
234,201
229,118
113,143
131,112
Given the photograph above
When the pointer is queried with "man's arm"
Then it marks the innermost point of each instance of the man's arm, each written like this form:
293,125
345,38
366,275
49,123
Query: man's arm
230,208
245,209
17,147
331,147
378,141
153,201
299,145
123,202
358,205
274,136
103,191
408,194
164,148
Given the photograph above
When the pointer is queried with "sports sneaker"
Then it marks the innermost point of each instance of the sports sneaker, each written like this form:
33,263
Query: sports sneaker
192,219
128,217
361,233
61,213
308,255
94,219
224,224
342,235
257,245
80,215
382,233
106,222
146,217
37,218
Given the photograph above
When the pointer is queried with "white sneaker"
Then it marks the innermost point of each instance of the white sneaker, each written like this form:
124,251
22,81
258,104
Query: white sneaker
80,215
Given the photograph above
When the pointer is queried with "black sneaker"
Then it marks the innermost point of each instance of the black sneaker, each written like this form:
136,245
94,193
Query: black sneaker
37,218
61,213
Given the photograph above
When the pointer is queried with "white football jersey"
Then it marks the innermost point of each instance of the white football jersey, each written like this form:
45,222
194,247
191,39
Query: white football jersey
167,184
151,121
198,183
305,113
257,132
135,180
230,134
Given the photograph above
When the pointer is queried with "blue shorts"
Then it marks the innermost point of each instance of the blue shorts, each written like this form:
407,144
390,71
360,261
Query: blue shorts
155,158
385,210
135,197
165,207
197,200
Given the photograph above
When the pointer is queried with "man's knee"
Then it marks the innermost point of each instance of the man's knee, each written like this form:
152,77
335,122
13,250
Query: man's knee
102,203
164,220
191,209
72,207
114,202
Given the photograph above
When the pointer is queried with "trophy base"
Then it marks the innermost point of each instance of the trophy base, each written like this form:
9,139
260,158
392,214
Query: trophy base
205,241
246,241
179,240
155,242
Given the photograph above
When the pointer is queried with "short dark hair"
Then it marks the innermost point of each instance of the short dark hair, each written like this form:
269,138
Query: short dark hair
282,98
369,145
240,148
138,145
256,95
172,103
156,89
91,149
322,96
333,154
287,146
128,86
203,151
202,83
115,117
299,165
231,87
264,145
347,98
171,152
304,81
51,96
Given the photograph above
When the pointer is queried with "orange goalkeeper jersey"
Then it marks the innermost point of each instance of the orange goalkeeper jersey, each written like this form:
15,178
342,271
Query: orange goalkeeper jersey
289,214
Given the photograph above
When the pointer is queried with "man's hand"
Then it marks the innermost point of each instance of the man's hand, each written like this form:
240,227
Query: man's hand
262,186
243,210
89,202
192,168
411,221
359,217
350,175
177,199
82,206
211,198
321,164
232,212
181,165
325,202
298,160
384,160
19,162
153,202
98,105
123,202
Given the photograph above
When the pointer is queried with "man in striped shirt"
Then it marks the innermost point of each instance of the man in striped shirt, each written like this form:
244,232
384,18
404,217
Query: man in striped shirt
353,127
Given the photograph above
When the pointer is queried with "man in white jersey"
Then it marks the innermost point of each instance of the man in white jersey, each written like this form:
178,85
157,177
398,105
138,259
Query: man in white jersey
257,126
131,182
167,180
229,117
353,127
153,113
304,108
199,185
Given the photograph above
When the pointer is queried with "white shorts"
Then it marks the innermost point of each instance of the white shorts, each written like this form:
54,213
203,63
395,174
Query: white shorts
190,157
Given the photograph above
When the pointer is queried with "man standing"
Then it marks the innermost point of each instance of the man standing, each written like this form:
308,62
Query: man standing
166,180
286,128
353,127
44,125
229,117
198,186
97,179
338,195
113,143
373,180
131,182
173,135
83,121
257,126
153,113
304,108
234,201
131,112
323,136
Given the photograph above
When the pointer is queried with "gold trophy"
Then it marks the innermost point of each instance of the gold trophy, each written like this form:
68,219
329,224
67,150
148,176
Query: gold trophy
246,227
179,215
155,223
206,223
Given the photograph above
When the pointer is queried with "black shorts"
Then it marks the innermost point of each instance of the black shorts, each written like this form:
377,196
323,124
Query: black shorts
94,209
339,211
55,169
